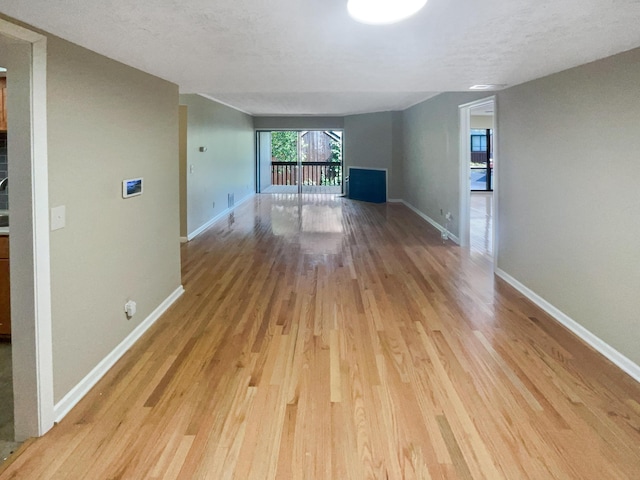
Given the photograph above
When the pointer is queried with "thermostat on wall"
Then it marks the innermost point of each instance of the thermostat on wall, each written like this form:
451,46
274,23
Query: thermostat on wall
131,187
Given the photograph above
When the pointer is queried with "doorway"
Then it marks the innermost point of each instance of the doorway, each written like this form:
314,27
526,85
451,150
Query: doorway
478,179
23,53
299,161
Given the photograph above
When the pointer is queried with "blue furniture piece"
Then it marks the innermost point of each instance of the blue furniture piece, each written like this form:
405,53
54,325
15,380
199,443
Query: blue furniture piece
367,185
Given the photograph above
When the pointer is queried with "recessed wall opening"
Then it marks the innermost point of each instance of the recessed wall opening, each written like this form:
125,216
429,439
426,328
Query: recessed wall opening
299,161
481,179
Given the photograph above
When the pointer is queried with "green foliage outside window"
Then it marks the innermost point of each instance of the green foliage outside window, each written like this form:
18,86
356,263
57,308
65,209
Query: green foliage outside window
284,146
336,151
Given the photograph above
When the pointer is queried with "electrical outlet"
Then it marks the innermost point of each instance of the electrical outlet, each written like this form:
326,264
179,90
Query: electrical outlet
58,217
449,216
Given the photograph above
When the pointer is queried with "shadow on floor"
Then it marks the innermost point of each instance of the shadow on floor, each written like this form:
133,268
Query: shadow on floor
7,445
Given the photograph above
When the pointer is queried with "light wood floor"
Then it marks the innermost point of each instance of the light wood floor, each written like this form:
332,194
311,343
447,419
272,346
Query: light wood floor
321,338
481,222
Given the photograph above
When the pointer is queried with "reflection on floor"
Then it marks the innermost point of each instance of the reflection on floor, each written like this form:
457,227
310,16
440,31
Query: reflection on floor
7,445
305,189
481,230
315,220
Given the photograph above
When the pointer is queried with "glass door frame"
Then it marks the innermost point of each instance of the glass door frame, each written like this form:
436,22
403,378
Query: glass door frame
488,167
297,166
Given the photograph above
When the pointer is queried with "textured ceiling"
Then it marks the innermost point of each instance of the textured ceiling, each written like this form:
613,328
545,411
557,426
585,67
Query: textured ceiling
308,57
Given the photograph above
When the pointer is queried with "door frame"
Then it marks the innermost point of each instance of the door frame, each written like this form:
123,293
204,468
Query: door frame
32,350
464,214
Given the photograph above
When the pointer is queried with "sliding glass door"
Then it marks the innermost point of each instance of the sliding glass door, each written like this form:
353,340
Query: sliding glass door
481,160
299,161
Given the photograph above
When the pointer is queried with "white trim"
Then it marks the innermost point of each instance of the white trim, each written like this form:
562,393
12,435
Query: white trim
12,30
386,177
184,239
87,383
395,200
213,99
227,211
430,220
617,358
206,225
42,257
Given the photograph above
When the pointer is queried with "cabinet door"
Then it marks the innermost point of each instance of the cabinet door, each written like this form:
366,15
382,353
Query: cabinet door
5,299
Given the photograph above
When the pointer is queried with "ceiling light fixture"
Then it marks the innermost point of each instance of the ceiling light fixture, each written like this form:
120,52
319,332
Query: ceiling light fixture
488,86
383,12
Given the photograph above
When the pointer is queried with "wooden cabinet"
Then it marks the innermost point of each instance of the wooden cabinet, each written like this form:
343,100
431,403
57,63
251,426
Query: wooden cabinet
3,104
5,295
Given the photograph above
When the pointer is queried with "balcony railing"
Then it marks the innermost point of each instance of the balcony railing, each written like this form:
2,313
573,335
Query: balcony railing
311,173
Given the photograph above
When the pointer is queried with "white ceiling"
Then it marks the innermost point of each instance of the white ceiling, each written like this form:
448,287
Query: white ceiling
303,57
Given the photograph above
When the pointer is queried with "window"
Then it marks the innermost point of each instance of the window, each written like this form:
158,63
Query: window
478,143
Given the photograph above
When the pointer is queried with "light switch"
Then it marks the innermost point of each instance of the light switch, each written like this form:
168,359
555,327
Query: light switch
58,217
191,168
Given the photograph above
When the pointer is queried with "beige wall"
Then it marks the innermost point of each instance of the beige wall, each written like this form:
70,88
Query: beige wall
569,195
108,122
432,156
228,165
369,142
481,121
396,182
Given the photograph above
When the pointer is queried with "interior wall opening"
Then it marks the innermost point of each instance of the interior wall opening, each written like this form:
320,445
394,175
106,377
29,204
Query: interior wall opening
481,178
478,181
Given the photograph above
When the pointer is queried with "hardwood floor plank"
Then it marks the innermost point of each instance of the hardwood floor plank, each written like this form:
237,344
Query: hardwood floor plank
457,458
321,338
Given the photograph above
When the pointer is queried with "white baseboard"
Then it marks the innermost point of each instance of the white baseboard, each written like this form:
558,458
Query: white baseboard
430,220
202,228
184,239
81,389
595,342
